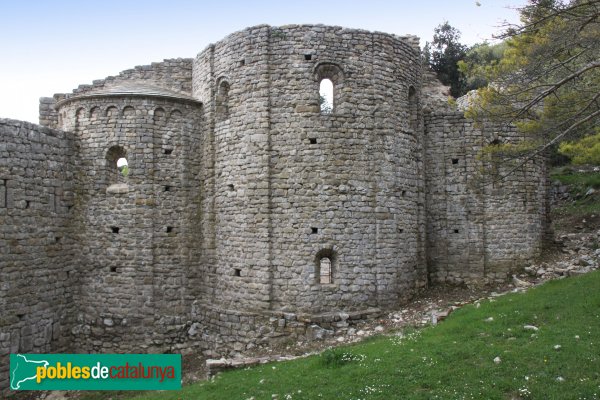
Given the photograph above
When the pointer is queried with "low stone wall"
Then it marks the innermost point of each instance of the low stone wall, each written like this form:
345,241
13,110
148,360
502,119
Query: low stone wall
231,332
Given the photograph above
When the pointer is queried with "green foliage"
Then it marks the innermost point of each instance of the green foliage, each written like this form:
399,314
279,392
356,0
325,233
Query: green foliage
336,357
416,364
548,80
578,180
509,150
478,59
124,170
463,69
583,204
583,151
332,357
443,55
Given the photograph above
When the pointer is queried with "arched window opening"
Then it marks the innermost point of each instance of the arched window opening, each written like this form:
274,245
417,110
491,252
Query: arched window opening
325,271
413,119
326,96
222,100
324,266
330,78
117,166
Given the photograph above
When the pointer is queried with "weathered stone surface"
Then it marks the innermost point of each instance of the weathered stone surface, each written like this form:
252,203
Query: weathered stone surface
117,188
238,189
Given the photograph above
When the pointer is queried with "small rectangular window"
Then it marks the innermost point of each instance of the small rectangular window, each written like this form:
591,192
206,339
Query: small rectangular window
314,230
313,140
308,57
114,229
455,161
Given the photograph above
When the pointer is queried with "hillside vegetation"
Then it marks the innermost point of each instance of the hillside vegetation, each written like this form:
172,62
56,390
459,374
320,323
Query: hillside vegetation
584,196
541,344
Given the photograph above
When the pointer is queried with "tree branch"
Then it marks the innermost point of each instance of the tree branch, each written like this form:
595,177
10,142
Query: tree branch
555,87
546,146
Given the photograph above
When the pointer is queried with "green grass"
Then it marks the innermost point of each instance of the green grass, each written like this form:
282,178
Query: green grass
580,208
454,360
579,183
579,180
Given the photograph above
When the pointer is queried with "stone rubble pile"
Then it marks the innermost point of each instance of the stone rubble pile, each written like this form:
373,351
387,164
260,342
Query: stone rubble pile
581,255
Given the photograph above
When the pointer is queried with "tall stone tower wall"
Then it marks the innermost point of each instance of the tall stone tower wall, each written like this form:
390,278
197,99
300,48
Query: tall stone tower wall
292,185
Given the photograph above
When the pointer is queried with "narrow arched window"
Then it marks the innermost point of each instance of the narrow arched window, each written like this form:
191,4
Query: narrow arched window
326,96
325,270
222,100
330,78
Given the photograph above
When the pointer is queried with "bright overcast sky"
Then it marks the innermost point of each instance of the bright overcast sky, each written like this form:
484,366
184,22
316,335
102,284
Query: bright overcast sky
51,47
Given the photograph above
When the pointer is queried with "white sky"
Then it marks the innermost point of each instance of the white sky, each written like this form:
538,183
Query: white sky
51,47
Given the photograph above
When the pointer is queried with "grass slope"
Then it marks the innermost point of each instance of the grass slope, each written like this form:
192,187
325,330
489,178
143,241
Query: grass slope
454,360
579,184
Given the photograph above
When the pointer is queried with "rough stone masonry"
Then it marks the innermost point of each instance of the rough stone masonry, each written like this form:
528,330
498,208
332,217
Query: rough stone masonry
248,216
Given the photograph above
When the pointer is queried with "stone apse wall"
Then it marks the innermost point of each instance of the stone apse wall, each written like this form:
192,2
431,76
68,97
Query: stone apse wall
292,185
248,216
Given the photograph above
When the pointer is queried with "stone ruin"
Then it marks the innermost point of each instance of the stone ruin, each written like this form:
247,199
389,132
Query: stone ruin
248,216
